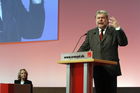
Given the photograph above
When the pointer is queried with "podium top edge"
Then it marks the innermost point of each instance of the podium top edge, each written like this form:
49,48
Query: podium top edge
87,61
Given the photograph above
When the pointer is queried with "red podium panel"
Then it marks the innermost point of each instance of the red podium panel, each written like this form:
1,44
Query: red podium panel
15,88
76,78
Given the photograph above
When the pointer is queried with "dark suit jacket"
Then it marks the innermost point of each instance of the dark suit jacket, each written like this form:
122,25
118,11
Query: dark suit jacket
107,48
19,23
26,82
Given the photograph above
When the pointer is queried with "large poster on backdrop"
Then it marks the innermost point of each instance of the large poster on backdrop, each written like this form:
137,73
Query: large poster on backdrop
28,20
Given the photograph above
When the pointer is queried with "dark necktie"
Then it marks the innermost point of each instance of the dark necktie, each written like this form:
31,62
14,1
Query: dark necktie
101,34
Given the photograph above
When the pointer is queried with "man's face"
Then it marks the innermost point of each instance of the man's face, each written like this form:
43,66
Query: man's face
101,20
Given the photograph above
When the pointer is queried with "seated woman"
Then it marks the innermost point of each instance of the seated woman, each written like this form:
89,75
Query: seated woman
23,78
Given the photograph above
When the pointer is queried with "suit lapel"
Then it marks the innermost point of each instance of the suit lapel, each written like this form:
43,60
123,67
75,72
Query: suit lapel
18,81
96,35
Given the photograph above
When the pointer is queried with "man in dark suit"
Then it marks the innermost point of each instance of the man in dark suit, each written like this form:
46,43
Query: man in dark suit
17,23
104,41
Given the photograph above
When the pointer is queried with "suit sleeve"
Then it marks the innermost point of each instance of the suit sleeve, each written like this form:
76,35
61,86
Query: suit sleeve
30,23
121,37
85,46
15,81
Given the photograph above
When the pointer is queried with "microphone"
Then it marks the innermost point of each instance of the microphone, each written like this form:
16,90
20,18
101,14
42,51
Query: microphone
78,41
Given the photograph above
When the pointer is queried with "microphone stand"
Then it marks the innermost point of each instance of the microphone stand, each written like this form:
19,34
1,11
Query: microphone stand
78,42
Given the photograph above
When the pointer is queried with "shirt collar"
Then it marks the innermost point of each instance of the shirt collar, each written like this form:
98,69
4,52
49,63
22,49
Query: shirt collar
103,30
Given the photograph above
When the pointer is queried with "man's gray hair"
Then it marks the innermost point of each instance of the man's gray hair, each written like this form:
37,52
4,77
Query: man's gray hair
102,12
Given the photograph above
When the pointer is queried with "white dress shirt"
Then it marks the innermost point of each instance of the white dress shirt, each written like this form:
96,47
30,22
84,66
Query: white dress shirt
0,10
37,1
103,31
21,82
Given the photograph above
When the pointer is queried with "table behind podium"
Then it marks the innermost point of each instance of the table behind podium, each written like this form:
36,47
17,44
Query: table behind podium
15,88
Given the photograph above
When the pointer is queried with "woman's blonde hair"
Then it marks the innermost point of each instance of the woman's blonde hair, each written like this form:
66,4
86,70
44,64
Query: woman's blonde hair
19,74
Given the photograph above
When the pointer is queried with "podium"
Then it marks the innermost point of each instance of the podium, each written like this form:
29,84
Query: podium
15,88
79,71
